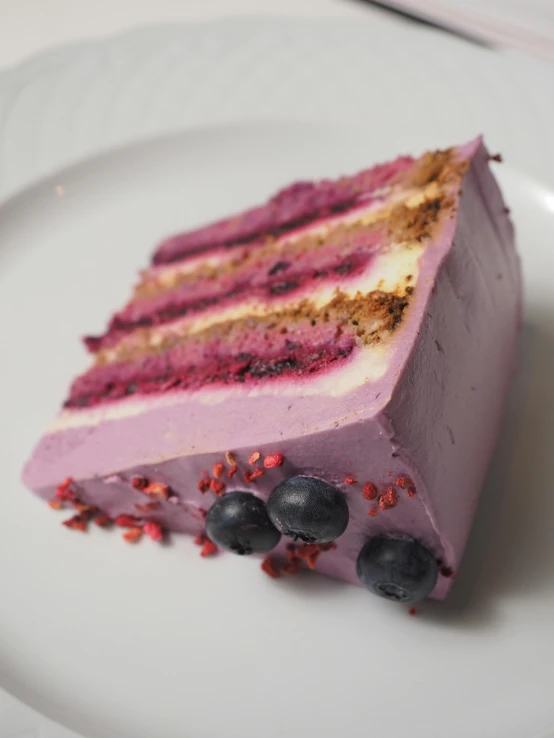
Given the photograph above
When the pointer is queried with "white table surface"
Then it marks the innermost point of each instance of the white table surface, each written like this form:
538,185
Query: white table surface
29,26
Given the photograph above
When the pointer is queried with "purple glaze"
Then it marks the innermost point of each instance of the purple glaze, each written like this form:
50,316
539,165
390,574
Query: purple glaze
433,416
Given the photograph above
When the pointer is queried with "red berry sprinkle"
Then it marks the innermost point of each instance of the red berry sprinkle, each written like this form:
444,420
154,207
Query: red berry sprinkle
291,567
153,531
350,480
157,489
200,539
77,522
230,458
102,520
203,484
218,488
411,492
218,470
251,476
370,491
305,550
412,611
373,512
447,572
139,482
208,548
403,482
312,559
82,507
388,499
254,458
55,504
64,493
232,471
133,535
127,521
269,568
273,460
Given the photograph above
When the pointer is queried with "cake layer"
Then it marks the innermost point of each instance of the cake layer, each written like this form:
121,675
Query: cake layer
394,396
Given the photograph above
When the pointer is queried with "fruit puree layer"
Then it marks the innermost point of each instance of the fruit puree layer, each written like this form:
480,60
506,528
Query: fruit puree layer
359,332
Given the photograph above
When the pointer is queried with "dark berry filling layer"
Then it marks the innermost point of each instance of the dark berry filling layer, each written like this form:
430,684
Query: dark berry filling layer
148,377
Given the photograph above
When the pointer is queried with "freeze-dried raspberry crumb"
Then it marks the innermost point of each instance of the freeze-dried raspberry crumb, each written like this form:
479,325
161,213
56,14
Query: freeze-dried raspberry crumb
102,520
133,535
127,521
269,568
153,531
77,522
273,460
157,489
208,548
217,487
218,470
370,491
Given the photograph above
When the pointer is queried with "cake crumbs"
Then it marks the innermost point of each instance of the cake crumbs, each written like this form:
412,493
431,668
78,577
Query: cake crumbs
153,531
232,471
218,470
254,458
273,460
133,535
218,488
230,458
388,499
269,568
55,504
350,479
412,611
370,491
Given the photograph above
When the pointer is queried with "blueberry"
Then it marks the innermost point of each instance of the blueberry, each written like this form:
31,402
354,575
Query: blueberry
397,567
239,522
308,509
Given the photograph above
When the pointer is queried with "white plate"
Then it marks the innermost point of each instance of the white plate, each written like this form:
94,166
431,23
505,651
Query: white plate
111,639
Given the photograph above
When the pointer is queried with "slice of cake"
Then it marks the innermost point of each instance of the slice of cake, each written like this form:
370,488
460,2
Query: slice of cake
319,379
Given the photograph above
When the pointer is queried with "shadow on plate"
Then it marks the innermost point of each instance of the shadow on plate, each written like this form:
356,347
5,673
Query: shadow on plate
510,552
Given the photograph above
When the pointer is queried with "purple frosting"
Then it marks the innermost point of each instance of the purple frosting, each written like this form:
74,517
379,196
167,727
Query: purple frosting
433,416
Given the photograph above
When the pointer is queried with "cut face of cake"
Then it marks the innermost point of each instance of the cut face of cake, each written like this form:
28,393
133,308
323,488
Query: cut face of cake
319,380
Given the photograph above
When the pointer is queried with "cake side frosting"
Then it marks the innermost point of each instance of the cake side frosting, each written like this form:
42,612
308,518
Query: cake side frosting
329,362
